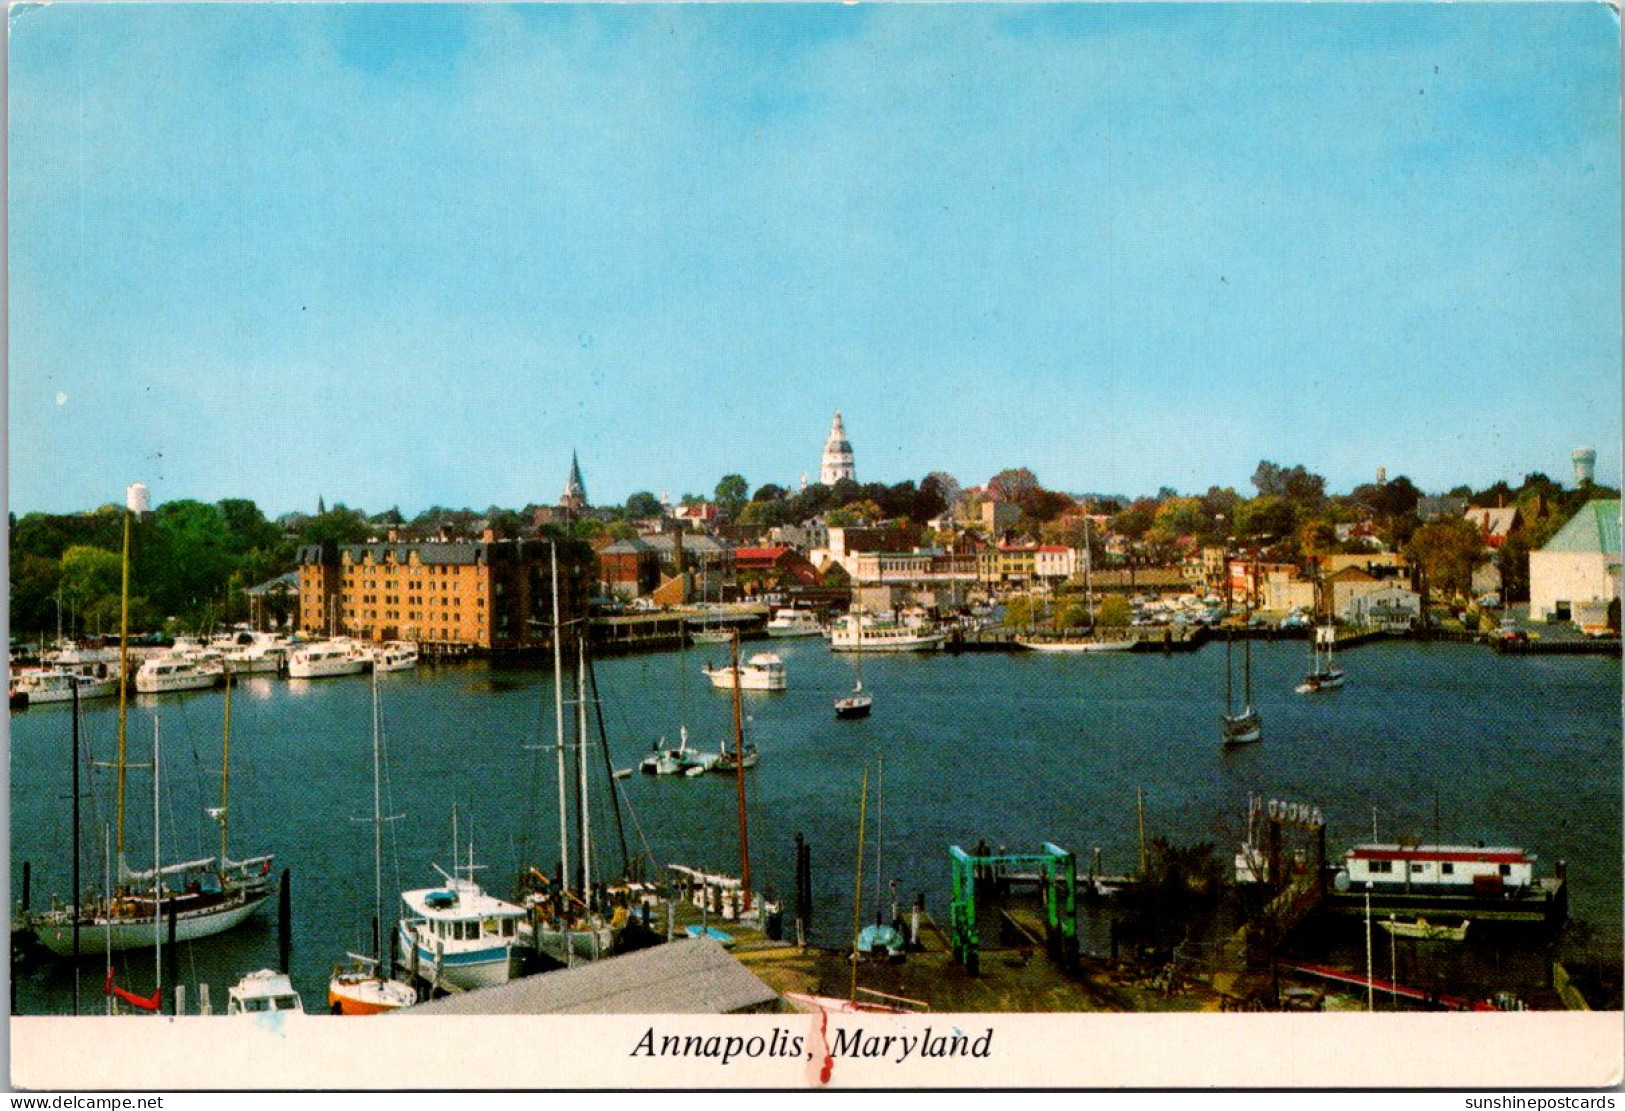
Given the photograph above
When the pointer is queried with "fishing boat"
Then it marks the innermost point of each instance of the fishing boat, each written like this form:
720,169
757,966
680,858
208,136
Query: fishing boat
1247,726
326,658
859,702
762,672
56,684
884,636
1424,930
456,935
361,987
794,623
264,992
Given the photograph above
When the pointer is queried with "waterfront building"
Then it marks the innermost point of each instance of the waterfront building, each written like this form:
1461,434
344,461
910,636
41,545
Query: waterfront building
1348,586
629,568
1392,608
705,564
759,569
846,542
488,594
1579,567
837,462
932,578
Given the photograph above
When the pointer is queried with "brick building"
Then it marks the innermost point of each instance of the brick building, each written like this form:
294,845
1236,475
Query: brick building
488,594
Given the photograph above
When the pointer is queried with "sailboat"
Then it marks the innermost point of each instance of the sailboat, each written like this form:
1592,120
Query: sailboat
569,924
1093,643
361,988
866,939
859,702
1323,674
205,897
1245,727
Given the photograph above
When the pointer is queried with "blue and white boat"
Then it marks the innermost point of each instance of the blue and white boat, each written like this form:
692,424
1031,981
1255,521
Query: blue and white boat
457,935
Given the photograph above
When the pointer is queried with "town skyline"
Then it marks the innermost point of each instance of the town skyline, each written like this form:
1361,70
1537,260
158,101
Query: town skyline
395,257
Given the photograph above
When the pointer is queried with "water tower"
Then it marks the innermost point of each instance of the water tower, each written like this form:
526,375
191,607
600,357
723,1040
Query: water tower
1585,466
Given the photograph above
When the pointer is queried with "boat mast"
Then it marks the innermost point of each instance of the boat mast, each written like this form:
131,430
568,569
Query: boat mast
1229,697
135,501
880,811
157,870
377,832
857,889
558,718
78,890
225,777
739,776
581,764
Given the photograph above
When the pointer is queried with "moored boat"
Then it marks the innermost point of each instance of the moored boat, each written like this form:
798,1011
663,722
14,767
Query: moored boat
884,636
395,655
325,659
794,623
458,935
762,672
165,674
264,992
1425,930
47,685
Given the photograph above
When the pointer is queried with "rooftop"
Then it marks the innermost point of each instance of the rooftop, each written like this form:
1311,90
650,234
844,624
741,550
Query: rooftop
1595,528
694,976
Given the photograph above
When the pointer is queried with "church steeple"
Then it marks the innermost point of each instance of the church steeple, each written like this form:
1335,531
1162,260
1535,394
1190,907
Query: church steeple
575,491
837,456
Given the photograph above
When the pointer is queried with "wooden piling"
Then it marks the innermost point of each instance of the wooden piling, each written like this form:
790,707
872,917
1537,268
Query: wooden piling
284,914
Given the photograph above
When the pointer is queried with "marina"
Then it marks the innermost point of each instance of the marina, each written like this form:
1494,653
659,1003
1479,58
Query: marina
1066,749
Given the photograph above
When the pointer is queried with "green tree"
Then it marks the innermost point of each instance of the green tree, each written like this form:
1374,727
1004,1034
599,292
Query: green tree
1009,485
1447,550
1294,483
1177,517
643,505
1268,515
1135,521
1018,612
90,574
1115,610
732,493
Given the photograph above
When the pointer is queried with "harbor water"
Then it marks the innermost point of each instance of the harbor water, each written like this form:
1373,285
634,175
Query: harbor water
1441,742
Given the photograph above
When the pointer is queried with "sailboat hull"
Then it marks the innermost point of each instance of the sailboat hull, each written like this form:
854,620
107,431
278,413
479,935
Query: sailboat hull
98,934
567,946
367,995
848,709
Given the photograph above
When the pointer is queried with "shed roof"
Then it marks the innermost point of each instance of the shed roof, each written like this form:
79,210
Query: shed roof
693,976
1595,528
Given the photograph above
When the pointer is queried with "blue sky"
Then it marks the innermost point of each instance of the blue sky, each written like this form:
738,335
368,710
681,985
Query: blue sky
417,255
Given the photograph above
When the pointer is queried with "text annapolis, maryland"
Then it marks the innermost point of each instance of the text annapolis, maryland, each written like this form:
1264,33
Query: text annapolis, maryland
858,1043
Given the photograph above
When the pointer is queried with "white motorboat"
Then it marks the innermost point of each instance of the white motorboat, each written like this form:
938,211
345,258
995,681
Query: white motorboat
681,760
325,659
884,636
171,672
395,655
251,653
33,688
458,935
794,623
762,672
264,992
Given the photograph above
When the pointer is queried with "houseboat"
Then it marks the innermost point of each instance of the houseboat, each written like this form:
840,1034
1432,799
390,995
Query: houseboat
1476,881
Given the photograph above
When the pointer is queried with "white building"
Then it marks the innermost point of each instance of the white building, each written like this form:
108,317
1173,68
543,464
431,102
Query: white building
837,456
1055,562
1392,607
1579,567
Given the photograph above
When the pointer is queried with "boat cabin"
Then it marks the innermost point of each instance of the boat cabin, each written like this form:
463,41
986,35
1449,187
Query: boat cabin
1457,869
262,992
